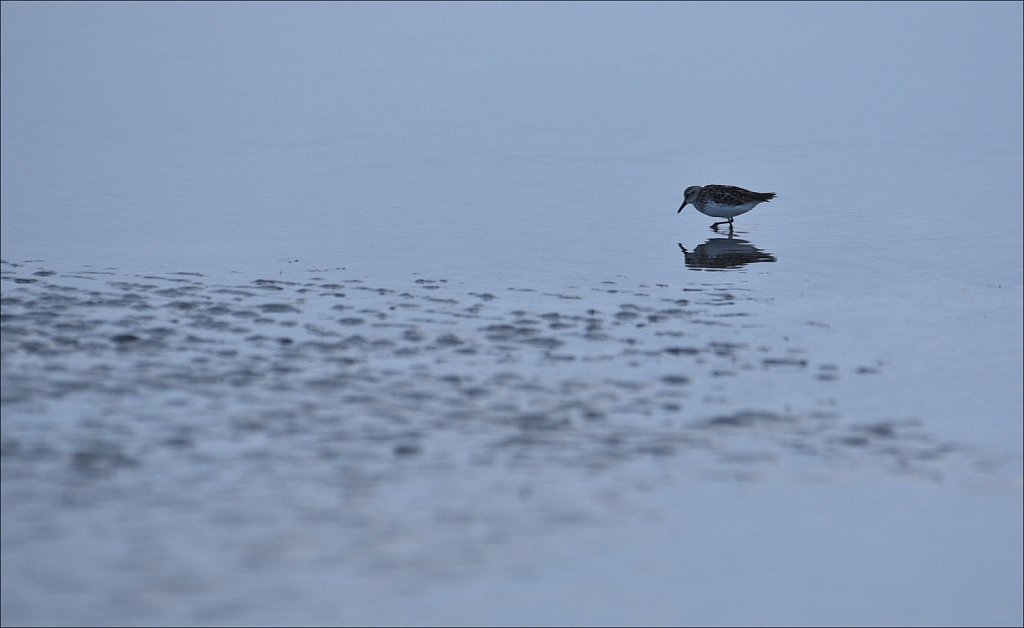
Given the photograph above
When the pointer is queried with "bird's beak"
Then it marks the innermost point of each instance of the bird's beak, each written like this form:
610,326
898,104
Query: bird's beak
681,207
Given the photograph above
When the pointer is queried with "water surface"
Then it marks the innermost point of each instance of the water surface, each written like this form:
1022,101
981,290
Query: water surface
383,314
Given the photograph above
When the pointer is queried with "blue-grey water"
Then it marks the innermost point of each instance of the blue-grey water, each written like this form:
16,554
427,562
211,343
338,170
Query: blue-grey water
372,313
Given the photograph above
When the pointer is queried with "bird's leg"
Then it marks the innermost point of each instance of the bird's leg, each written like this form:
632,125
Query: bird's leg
714,227
730,226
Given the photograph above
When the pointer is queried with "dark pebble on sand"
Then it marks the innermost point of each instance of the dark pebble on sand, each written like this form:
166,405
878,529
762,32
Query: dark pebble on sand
675,380
407,450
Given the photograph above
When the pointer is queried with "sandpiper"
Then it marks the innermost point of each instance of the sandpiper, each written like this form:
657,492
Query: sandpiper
723,201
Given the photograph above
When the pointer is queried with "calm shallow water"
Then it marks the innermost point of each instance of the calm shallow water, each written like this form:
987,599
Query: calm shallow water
424,438
299,327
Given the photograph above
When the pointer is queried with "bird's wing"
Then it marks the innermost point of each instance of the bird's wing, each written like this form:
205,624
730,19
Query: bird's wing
732,195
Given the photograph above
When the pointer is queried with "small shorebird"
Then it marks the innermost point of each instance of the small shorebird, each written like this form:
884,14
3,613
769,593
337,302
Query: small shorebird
723,201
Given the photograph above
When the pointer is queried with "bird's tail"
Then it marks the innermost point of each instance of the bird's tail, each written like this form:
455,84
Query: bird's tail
766,196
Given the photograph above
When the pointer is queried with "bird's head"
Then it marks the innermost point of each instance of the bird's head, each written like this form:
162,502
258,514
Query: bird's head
689,196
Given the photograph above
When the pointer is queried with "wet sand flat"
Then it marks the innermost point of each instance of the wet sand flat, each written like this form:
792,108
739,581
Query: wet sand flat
228,440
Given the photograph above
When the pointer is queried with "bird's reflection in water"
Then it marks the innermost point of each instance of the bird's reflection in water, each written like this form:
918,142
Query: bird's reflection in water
722,253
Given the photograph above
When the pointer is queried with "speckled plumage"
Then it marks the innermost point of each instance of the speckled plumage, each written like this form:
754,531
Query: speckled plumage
723,201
